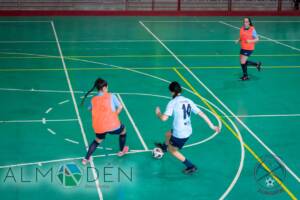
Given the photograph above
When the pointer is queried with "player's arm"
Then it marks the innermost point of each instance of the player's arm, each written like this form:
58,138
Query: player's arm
119,109
207,120
255,38
199,112
117,104
161,116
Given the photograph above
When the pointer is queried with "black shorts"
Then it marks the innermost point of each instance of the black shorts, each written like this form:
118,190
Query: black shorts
101,136
246,52
178,142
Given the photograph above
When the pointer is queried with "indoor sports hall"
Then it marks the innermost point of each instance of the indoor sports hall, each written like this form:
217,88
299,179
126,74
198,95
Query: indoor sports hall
51,53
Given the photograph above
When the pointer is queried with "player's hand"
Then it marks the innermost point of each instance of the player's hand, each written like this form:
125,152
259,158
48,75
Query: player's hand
237,41
216,128
157,111
248,41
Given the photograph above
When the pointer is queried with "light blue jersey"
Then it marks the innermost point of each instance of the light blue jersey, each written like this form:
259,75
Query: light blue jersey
254,34
180,108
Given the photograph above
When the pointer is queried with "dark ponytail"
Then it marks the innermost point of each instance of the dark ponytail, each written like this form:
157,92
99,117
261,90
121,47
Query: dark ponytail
176,88
99,84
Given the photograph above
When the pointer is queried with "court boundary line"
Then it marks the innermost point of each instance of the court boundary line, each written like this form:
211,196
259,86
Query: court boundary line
209,91
132,122
224,106
97,182
37,120
63,160
71,120
141,151
127,69
262,36
248,129
246,146
215,21
237,134
129,41
37,56
8,21
138,68
136,151
100,63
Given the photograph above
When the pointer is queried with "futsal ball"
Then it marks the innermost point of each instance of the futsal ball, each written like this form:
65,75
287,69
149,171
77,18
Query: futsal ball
157,153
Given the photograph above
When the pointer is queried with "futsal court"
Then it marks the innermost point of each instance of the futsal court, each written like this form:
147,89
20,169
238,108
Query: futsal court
47,64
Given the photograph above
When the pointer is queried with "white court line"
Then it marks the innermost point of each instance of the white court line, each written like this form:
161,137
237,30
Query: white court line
77,111
63,160
99,63
63,102
270,39
267,116
37,120
34,90
197,143
134,151
133,123
166,81
187,146
134,41
211,93
21,121
71,120
211,21
49,110
25,41
71,141
246,127
7,21
51,131
109,149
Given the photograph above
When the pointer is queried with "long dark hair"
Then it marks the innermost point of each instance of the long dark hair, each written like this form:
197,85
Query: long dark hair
99,84
176,88
250,21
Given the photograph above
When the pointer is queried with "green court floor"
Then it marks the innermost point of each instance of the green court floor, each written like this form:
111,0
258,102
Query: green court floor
48,63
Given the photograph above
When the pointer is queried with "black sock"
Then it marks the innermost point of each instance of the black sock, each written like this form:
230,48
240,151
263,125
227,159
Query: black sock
91,150
187,163
244,68
251,63
122,141
164,147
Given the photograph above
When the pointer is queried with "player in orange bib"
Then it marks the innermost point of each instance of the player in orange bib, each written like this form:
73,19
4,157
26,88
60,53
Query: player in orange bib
105,108
248,38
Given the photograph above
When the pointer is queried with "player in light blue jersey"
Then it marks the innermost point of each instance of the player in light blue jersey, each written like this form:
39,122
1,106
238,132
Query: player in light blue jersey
180,108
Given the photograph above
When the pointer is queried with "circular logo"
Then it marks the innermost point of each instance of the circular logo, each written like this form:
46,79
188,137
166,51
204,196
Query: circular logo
69,175
266,179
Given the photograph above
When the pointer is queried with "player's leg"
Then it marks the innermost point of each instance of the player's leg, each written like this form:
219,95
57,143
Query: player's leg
122,139
190,167
164,146
243,61
99,138
175,145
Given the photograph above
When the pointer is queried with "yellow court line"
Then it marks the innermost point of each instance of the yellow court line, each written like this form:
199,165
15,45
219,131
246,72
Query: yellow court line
235,134
135,68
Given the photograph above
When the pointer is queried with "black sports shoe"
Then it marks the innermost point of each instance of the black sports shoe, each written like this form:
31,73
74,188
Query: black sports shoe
258,66
190,170
244,78
162,146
